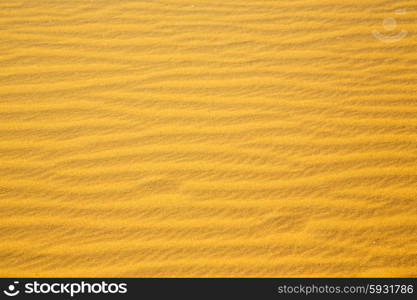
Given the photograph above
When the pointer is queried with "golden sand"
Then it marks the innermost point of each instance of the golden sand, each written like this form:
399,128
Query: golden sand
203,138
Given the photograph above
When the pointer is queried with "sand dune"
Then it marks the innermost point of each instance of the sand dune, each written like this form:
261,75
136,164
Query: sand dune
207,138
